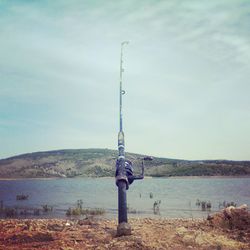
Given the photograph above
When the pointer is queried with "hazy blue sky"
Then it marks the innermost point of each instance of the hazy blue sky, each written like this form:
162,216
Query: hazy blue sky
187,76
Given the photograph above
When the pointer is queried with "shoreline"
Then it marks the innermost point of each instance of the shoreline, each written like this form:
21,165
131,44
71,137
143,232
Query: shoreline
207,176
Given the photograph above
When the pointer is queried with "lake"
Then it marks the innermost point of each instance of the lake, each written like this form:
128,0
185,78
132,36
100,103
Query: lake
178,196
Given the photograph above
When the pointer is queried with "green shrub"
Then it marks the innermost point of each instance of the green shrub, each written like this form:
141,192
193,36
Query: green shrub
84,211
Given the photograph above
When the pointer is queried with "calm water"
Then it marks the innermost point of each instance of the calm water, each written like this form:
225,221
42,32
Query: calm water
178,195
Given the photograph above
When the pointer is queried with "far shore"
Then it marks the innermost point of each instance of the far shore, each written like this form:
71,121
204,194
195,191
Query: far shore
146,177
27,178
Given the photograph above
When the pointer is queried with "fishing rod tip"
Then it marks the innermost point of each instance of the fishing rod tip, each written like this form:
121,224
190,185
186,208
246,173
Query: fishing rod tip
125,42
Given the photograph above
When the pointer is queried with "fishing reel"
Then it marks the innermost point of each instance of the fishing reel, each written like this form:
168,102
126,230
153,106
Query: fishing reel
127,173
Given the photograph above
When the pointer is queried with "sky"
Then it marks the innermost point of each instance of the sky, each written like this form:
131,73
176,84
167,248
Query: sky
187,76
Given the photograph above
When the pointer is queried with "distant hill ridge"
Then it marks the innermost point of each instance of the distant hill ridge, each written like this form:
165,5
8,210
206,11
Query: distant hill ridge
101,163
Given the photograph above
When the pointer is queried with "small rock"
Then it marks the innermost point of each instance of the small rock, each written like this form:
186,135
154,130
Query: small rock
67,224
181,230
187,239
55,227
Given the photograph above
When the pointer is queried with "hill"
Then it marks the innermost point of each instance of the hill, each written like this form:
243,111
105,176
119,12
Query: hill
101,163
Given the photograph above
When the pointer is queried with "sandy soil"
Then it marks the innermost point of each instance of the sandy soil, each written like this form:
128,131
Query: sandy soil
101,234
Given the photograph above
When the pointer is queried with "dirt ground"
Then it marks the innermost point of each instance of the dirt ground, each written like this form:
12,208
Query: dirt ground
92,233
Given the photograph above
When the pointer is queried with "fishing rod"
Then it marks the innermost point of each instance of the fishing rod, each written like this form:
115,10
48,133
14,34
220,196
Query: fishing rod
124,170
